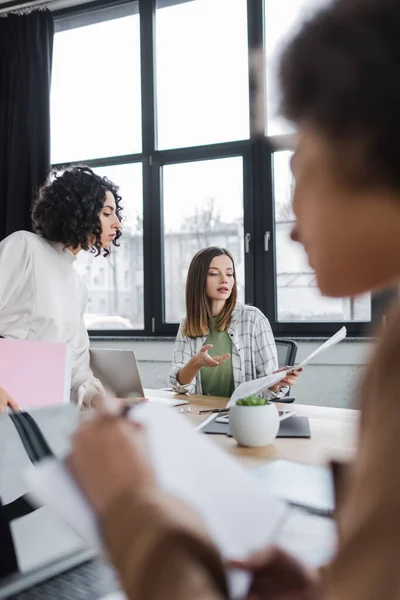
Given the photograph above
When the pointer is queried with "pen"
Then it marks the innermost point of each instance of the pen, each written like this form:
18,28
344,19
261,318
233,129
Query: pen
213,410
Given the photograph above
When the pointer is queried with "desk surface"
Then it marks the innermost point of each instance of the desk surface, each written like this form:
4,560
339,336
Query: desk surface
333,433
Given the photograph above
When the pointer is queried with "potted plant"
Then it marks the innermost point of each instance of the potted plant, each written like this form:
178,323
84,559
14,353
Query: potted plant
254,421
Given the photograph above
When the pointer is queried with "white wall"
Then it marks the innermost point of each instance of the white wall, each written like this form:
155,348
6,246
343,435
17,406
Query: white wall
329,381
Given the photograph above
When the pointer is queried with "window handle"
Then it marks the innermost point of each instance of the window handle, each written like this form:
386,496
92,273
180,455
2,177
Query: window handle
247,240
267,239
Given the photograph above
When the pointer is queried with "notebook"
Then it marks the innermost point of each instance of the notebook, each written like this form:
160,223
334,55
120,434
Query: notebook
306,486
36,373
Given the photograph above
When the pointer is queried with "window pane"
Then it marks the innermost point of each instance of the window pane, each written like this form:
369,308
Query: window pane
202,72
298,297
95,92
282,20
116,283
203,206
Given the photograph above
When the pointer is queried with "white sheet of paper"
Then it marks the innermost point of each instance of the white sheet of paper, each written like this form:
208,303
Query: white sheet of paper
310,538
239,515
258,386
36,543
115,596
168,401
335,339
51,484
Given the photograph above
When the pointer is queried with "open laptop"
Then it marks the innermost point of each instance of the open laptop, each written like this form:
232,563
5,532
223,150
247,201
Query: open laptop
118,371
18,582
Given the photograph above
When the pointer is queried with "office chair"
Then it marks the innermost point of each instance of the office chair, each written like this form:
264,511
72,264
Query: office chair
287,351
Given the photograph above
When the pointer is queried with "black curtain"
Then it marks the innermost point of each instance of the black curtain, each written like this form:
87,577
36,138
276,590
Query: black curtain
26,48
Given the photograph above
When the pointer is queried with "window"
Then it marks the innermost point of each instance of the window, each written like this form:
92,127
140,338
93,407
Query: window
282,20
111,275
295,303
162,97
96,117
95,95
298,297
202,206
202,72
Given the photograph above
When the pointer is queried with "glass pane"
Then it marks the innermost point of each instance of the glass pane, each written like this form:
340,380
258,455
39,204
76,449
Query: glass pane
95,92
203,206
282,20
298,297
202,72
115,283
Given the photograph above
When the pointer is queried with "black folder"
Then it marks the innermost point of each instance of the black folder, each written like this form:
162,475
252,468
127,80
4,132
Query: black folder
292,427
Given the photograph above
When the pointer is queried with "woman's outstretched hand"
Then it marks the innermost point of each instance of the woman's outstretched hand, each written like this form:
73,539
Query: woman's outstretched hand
205,360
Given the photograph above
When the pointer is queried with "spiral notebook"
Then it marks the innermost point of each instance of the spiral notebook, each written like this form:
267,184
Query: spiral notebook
35,373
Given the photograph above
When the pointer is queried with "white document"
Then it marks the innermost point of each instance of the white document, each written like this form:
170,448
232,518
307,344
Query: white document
335,339
258,386
240,516
168,401
310,538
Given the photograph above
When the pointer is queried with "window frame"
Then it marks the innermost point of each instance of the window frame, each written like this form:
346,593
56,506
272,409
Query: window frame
180,156
257,153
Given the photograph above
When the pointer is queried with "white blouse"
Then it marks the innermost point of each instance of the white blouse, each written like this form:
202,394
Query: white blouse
42,297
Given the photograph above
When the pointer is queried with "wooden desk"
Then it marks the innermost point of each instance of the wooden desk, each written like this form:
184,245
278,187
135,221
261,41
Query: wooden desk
333,433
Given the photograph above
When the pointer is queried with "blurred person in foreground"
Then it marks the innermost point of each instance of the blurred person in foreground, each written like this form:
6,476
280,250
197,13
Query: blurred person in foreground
340,80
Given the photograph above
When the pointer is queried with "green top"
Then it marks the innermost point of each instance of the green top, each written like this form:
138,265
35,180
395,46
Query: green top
218,381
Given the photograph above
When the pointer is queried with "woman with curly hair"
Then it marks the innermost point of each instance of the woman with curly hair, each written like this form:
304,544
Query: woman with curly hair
42,296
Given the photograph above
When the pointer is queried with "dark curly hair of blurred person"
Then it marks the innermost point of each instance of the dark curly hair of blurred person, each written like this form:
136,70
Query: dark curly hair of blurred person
68,208
340,75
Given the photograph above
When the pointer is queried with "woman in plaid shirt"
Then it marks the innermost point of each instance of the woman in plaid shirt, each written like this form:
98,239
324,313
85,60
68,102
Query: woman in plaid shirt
221,343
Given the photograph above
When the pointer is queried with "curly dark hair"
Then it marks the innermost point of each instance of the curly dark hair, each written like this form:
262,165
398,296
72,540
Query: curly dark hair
68,208
341,75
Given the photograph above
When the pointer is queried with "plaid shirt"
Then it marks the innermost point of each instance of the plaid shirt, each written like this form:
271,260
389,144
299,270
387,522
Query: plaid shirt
253,350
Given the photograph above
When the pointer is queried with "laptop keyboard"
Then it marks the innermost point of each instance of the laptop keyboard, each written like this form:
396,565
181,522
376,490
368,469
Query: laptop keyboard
90,581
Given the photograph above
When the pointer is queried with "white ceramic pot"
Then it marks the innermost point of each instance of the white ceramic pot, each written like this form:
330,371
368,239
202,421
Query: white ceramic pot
254,426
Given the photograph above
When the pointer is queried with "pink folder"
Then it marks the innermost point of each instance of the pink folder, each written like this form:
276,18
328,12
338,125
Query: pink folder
35,373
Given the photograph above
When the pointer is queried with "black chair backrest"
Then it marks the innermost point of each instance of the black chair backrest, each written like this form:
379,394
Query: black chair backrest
287,351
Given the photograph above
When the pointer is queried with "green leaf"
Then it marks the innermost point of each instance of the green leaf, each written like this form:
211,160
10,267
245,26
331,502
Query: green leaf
252,401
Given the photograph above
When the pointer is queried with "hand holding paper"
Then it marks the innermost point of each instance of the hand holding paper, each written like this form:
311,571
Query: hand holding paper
202,475
229,500
258,386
